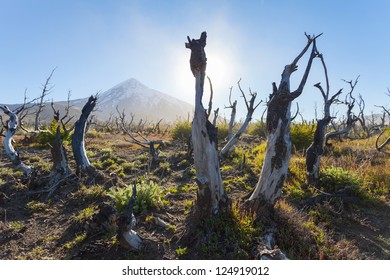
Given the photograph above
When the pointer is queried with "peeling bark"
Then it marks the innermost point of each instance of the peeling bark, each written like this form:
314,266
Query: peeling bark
204,138
278,151
316,149
78,143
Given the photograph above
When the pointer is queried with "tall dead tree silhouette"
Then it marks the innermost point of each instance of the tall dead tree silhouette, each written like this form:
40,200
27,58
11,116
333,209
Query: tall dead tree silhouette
278,151
78,143
316,149
204,138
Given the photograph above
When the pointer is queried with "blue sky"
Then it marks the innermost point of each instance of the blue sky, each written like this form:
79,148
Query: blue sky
98,44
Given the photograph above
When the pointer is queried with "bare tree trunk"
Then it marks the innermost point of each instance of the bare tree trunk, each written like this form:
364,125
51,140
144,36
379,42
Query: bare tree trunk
316,149
60,160
12,126
251,107
126,235
278,151
204,138
78,144
380,147
232,106
351,119
58,152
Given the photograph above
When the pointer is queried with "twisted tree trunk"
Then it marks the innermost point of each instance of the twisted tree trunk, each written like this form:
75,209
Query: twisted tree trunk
126,235
13,155
204,138
278,151
78,144
316,149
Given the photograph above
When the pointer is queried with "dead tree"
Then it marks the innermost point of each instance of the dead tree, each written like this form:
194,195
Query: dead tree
351,118
279,145
11,126
128,238
233,106
210,195
46,90
58,151
316,149
362,118
380,147
78,144
137,137
251,107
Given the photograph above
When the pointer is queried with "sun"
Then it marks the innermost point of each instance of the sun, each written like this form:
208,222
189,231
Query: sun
220,69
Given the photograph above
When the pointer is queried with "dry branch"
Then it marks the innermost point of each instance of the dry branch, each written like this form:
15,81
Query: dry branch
251,107
351,118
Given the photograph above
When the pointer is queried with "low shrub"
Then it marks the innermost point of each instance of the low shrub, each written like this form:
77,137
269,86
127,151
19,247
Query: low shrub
333,178
182,131
257,129
302,135
148,196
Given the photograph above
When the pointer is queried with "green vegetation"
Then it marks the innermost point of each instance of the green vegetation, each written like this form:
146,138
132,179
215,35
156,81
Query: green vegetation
182,131
181,251
35,206
85,214
91,193
148,196
333,178
352,172
257,129
231,234
302,135
45,139
77,240
15,225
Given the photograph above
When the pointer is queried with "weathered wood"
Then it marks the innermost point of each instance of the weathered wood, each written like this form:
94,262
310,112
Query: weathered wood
58,152
13,155
316,149
278,151
152,145
78,143
233,106
351,118
127,236
204,138
251,107
380,147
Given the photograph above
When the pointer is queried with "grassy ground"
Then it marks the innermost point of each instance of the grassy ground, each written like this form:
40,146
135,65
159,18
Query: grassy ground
75,223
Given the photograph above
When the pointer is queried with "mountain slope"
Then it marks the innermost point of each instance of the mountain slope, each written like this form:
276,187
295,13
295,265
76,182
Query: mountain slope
133,97
139,100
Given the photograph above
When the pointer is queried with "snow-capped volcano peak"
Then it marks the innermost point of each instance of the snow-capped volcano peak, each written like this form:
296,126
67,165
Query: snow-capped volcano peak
143,102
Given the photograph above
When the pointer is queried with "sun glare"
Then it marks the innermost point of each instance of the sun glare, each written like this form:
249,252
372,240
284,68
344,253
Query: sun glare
220,67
